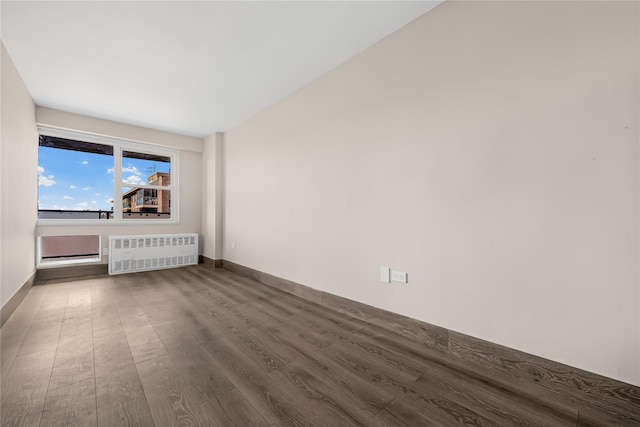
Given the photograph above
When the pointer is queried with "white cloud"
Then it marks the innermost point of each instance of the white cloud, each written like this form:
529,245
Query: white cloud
93,202
86,188
81,206
44,181
131,169
68,198
84,162
73,187
128,169
96,194
133,180
109,201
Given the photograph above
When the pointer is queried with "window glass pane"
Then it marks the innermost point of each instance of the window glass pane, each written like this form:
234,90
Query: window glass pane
74,181
145,203
143,168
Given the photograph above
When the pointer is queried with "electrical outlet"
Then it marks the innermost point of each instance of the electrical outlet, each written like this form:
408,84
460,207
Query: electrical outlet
384,274
399,276
105,251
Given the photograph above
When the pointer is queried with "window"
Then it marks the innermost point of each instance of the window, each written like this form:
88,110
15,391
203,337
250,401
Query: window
85,177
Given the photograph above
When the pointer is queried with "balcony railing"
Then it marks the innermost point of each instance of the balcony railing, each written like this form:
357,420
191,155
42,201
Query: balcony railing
147,201
69,214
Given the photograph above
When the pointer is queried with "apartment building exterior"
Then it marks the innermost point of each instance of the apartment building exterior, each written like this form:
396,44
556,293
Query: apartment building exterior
149,200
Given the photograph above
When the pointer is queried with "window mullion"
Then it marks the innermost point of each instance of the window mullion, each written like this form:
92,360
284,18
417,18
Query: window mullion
117,182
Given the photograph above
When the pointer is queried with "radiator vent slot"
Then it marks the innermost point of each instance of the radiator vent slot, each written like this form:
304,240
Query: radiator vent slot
129,254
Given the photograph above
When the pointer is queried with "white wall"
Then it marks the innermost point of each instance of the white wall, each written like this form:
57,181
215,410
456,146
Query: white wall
18,183
212,197
490,150
190,174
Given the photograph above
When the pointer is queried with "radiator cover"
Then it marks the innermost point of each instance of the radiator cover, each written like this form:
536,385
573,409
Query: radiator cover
129,254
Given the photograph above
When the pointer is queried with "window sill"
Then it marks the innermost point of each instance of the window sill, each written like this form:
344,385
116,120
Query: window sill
67,263
105,222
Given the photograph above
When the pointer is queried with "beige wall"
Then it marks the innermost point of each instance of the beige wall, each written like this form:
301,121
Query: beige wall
190,174
212,198
65,120
19,180
490,150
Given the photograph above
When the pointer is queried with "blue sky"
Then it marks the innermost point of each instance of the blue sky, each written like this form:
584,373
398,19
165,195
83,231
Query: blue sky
75,180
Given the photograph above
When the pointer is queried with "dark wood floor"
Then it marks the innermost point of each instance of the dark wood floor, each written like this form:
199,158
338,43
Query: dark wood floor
202,347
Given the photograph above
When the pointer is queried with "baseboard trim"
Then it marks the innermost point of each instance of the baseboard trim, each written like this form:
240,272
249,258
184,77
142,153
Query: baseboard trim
591,398
208,262
71,271
16,299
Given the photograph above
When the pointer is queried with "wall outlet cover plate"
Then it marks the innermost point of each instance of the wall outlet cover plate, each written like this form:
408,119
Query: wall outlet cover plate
385,274
399,276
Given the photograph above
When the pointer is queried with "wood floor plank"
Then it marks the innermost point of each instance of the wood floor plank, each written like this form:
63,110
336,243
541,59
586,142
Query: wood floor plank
434,407
229,282
325,323
387,355
368,367
252,348
71,405
221,287
24,389
400,413
34,328
144,343
194,283
105,319
73,363
487,401
115,290
268,397
79,296
350,403
169,394
24,332
232,409
321,407
434,358
167,312
173,333
120,398
42,336
204,377
567,381
74,354
10,341
366,396
275,326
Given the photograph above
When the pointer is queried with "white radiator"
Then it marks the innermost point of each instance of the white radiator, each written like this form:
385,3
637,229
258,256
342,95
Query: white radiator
128,254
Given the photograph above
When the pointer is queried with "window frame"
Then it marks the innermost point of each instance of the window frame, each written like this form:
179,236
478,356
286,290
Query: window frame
119,145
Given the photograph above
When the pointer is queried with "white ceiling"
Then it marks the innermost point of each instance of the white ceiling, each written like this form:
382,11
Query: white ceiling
188,67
